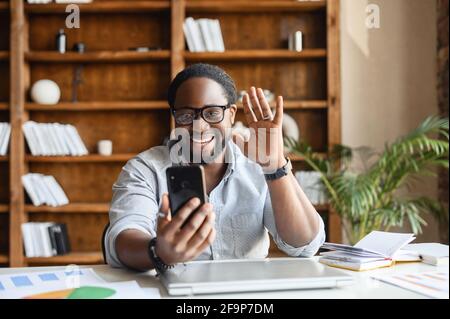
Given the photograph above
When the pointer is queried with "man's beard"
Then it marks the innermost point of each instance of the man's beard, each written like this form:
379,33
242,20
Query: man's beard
212,156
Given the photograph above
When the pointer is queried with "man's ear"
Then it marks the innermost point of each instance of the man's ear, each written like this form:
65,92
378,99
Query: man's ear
233,111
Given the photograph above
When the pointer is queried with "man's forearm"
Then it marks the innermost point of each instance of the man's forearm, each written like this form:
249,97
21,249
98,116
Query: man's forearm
295,217
132,249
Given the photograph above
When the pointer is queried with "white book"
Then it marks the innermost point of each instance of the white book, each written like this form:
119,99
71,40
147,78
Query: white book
72,140
29,188
188,36
45,236
54,140
35,235
27,240
431,253
221,44
30,138
79,142
207,38
39,188
58,191
48,139
40,137
51,198
2,134
6,138
60,138
196,34
64,131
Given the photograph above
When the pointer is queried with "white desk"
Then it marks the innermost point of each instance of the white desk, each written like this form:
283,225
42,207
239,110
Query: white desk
364,286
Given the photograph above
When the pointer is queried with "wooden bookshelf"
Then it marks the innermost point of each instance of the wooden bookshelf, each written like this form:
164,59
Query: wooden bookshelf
249,55
97,57
122,96
81,258
94,158
100,106
74,208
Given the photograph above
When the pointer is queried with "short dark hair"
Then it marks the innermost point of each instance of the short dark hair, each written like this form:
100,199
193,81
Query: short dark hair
203,70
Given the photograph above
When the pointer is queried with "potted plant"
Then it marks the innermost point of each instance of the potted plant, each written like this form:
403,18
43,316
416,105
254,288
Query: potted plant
371,199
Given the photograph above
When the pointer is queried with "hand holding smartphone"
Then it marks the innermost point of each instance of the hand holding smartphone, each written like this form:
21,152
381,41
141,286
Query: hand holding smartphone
183,184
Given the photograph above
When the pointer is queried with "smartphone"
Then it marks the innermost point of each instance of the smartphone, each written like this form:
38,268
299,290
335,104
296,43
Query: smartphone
183,184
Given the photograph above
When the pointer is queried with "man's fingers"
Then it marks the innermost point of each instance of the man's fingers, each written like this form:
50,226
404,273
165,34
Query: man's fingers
249,115
201,216
279,115
164,215
255,104
182,214
194,252
265,107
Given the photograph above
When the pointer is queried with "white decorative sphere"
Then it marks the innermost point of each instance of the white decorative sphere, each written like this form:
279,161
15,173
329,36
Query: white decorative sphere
45,92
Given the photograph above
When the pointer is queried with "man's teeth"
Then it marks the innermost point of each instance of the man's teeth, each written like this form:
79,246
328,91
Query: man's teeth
203,141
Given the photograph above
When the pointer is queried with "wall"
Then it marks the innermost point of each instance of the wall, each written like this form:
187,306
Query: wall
389,75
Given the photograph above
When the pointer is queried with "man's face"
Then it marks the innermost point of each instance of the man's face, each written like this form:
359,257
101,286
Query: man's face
197,93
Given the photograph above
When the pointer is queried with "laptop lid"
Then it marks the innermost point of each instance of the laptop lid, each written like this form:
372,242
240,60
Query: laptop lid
201,277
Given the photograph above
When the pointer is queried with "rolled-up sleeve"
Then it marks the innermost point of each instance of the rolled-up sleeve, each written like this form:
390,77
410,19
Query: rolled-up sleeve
308,250
134,205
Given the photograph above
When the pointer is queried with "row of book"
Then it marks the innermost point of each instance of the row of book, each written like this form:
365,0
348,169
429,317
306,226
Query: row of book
203,35
311,184
45,239
53,139
5,133
44,190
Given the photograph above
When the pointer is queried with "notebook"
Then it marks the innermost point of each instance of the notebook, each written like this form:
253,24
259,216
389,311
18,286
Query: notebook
378,249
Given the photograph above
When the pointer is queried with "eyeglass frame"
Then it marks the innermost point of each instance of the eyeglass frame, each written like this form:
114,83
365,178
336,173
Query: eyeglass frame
200,111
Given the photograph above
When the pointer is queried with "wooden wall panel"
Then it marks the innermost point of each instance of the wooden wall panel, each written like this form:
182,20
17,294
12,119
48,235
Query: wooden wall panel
108,82
279,77
119,31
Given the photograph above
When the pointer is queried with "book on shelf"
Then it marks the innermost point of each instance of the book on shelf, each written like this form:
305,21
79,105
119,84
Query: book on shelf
45,239
5,134
44,190
378,249
203,35
53,139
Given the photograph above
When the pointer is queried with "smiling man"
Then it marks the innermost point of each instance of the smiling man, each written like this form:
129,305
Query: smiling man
248,197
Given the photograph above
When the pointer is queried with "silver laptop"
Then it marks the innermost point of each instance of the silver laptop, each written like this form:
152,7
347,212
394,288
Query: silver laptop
208,277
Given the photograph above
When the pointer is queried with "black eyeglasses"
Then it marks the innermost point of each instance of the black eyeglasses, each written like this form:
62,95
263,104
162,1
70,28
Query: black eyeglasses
212,114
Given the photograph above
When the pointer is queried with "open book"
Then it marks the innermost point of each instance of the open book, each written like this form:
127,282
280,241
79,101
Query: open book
378,249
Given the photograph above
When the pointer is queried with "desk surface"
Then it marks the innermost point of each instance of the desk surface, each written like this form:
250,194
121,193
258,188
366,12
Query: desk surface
364,287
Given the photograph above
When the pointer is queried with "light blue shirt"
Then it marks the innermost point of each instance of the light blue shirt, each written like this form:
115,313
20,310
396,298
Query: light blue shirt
241,201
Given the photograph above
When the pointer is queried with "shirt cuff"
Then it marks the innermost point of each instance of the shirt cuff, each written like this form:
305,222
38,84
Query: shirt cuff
308,250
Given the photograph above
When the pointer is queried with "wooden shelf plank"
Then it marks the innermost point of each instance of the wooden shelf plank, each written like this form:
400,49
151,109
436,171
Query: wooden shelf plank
93,158
299,105
4,259
100,7
298,158
99,56
255,6
4,158
4,209
72,258
250,55
78,208
99,106
4,106
4,55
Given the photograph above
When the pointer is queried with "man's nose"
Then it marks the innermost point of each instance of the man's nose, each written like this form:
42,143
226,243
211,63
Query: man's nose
200,124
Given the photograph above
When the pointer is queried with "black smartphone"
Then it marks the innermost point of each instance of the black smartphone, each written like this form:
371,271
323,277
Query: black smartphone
183,184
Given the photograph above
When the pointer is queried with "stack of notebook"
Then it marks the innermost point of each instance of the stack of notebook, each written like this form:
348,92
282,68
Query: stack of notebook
376,250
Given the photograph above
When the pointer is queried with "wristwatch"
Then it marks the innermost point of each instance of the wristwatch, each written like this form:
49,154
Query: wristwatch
160,266
281,172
